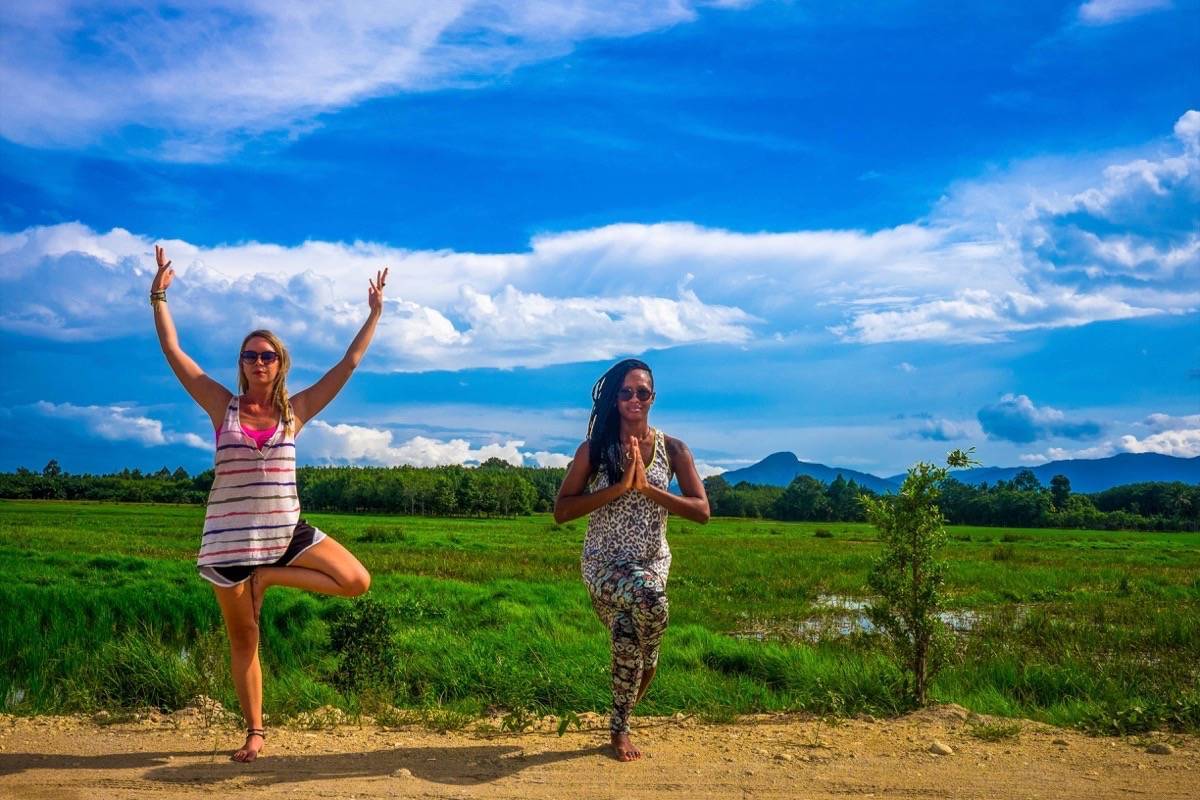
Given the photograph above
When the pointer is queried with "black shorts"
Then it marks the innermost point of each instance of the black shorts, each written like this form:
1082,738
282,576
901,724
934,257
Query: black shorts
303,537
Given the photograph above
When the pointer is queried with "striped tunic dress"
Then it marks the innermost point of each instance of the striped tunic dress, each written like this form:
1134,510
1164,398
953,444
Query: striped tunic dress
254,506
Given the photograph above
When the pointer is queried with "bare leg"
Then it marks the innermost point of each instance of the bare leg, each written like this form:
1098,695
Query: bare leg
326,567
242,626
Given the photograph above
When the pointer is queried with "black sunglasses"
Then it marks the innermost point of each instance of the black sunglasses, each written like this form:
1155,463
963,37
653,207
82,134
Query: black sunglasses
643,394
266,356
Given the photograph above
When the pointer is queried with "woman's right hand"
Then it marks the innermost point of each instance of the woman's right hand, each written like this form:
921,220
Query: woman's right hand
164,275
632,455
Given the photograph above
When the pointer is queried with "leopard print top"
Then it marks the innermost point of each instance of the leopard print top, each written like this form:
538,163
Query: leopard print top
633,527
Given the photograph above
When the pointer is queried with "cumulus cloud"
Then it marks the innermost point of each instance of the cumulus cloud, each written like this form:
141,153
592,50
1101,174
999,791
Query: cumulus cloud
942,430
357,444
1181,443
1157,433
706,470
1169,435
119,423
1106,12
1137,224
208,74
1102,450
445,310
1115,240
980,315
1166,422
543,458
1016,419
1066,243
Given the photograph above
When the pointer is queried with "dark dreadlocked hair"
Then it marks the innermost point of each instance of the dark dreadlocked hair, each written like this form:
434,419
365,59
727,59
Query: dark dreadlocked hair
604,426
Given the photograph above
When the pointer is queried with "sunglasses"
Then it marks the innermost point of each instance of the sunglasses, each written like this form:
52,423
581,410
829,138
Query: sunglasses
642,394
267,356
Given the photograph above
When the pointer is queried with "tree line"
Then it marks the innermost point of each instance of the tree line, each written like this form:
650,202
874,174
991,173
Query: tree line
1022,502
497,488
805,498
494,488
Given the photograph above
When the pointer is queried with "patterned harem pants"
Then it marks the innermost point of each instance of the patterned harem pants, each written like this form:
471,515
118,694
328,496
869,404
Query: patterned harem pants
631,600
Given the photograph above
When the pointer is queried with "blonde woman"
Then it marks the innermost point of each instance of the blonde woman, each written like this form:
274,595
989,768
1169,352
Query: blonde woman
254,536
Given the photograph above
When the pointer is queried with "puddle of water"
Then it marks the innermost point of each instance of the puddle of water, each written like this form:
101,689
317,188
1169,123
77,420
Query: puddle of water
840,616
841,602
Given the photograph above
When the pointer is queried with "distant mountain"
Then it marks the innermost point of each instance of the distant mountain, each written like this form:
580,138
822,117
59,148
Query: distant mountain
1098,474
778,469
1086,475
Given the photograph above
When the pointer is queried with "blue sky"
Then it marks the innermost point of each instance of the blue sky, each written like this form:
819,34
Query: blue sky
864,235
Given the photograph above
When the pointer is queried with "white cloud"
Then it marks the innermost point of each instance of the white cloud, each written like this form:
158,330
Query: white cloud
358,444
944,430
1035,249
543,458
1182,443
1102,450
708,470
1166,422
1105,12
120,423
1015,418
979,315
1169,435
1138,221
256,285
206,75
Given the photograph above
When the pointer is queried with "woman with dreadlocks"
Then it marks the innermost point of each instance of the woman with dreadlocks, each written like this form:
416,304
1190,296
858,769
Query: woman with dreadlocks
620,476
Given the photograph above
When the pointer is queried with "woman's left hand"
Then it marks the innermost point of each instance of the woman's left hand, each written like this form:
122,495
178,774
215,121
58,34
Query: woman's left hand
375,293
640,484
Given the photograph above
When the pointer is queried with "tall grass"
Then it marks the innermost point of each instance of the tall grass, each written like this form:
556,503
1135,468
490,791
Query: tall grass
100,607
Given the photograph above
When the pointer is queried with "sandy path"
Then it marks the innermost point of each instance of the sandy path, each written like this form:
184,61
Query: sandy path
759,757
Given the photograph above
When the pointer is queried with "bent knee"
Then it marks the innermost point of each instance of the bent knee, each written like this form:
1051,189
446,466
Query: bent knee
652,599
660,609
357,583
653,607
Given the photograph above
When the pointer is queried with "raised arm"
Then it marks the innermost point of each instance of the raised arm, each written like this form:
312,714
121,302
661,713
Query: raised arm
573,499
210,395
308,403
694,503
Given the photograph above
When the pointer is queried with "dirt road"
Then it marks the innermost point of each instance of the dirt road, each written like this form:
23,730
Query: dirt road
759,757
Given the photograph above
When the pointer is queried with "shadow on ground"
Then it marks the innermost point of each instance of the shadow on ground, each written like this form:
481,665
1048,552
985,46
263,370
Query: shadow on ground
13,763
448,765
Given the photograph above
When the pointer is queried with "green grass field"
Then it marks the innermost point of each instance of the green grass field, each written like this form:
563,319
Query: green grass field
100,607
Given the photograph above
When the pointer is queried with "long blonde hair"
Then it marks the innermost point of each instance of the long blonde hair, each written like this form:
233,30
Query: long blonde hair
279,393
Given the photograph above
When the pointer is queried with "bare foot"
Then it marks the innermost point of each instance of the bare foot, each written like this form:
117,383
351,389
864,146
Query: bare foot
255,739
257,590
647,676
623,749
